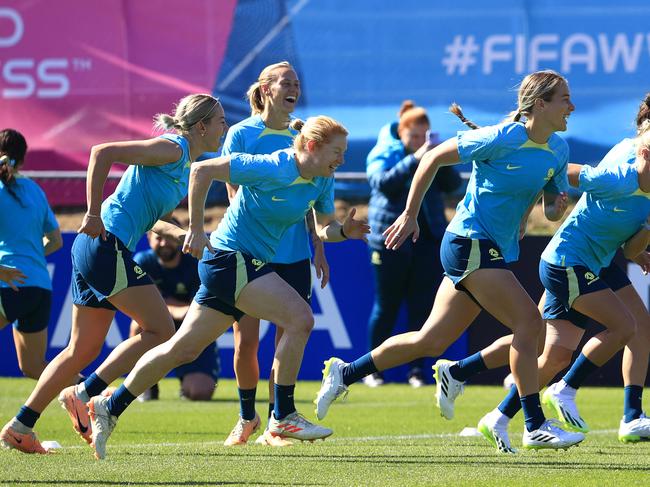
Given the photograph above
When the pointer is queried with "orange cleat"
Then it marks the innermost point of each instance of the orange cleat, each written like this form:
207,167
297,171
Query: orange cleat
25,442
242,431
267,439
78,412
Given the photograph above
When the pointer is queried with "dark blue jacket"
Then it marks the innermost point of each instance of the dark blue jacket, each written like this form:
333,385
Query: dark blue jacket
390,170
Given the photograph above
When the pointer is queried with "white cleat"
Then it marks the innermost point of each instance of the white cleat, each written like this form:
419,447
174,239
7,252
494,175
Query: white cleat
102,424
447,388
494,427
551,436
373,380
298,427
331,388
634,431
561,400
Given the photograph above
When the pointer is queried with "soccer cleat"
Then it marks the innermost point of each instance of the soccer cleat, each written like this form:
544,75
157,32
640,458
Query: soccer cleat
24,442
551,436
447,388
298,427
564,407
242,431
373,380
103,424
78,412
331,388
267,439
635,430
494,427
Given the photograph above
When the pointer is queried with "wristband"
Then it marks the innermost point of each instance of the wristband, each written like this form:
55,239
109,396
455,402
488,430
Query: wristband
343,233
92,216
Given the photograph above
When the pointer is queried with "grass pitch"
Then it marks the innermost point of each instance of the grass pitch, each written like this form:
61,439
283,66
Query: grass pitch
387,436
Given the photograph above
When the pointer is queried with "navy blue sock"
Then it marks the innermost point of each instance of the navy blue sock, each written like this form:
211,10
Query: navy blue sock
247,403
464,369
119,401
633,398
511,403
358,369
271,408
27,416
579,371
284,405
533,414
94,385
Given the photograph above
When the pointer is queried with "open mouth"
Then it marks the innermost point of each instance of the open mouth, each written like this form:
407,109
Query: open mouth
290,99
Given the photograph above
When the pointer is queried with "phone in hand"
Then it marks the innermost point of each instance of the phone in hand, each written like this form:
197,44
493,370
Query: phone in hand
433,138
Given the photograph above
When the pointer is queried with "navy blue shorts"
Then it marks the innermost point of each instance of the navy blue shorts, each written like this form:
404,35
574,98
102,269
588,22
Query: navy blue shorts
101,269
460,256
564,284
223,276
297,275
29,308
207,363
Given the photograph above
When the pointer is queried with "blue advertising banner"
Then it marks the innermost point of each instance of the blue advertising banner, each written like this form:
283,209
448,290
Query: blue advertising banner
341,312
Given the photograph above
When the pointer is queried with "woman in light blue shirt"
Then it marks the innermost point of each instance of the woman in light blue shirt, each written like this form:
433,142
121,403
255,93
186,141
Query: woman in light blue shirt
28,233
512,164
105,277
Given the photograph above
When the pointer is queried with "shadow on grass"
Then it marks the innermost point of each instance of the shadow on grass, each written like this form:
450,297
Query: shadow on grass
392,461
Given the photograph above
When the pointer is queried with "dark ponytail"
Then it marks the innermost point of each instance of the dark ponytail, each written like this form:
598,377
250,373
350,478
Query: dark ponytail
13,148
456,110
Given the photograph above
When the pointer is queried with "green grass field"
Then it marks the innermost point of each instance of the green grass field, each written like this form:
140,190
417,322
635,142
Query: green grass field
387,436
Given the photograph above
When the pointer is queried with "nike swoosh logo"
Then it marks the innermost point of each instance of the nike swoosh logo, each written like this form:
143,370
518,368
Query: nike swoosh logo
16,439
82,428
510,167
619,210
275,198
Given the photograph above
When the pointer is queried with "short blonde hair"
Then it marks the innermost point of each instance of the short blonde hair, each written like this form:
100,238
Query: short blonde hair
189,111
254,94
320,129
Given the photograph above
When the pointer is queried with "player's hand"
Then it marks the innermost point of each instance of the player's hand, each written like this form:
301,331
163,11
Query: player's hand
12,276
355,229
195,242
93,226
320,263
400,230
643,260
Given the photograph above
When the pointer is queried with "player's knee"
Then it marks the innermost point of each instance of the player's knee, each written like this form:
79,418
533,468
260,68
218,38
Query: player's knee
556,359
31,369
248,345
83,353
186,354
302,320
530,326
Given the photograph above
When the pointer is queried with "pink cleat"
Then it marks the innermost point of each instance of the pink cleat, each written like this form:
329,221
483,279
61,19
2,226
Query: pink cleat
242,431
78,412
25,442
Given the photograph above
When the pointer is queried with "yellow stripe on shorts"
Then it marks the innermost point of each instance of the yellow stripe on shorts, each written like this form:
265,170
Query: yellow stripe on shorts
242,275
574,288
121,281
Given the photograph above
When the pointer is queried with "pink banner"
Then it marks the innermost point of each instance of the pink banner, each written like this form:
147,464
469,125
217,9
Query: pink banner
75,73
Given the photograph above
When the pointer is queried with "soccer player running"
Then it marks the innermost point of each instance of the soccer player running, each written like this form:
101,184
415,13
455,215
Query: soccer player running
582,282
272,98
105,278
512,163
28,232
277,191
412,273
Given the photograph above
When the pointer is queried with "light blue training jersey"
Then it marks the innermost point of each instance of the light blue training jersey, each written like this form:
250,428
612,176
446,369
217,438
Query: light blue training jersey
251,136
22,226
611,210
508,172
145,194
273,197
